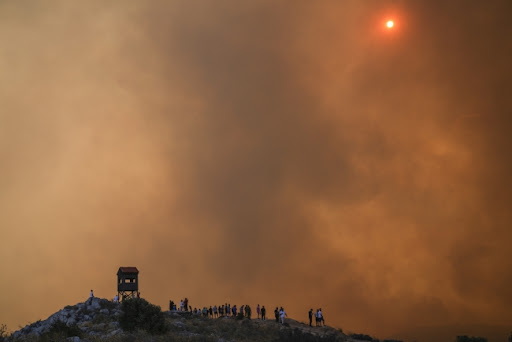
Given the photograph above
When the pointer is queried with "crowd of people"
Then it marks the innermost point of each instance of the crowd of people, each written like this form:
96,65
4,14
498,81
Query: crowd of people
319,317
228,310
225,310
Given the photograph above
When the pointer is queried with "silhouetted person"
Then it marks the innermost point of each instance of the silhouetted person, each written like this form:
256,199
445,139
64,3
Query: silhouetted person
263,312
258,311
310,317
91,297
276,313
282,314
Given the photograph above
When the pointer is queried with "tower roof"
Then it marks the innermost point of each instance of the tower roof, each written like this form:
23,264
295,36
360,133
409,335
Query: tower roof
128,270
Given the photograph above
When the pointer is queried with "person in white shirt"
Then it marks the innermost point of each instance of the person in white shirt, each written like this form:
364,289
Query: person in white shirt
116,299
282,314
181,305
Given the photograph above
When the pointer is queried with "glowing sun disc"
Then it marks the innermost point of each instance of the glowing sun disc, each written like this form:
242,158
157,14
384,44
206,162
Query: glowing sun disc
390,24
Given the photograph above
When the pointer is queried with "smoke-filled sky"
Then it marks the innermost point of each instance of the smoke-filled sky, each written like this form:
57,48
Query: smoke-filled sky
292,153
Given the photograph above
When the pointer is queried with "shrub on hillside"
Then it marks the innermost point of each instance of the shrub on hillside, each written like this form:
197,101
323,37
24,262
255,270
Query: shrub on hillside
107,304
137,314
3,332
297,335
471,339
101,318
60,331
361,337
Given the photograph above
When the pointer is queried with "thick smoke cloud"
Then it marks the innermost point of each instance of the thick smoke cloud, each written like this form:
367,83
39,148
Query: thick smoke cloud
289,154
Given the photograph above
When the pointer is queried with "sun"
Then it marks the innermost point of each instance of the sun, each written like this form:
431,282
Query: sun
390,24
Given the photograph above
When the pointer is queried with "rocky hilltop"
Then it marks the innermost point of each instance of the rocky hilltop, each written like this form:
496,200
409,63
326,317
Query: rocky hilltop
95,320
103,320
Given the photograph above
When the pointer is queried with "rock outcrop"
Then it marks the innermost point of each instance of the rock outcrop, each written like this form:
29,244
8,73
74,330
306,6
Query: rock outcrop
96,317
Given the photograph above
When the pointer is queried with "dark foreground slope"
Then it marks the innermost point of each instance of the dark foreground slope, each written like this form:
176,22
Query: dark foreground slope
99,321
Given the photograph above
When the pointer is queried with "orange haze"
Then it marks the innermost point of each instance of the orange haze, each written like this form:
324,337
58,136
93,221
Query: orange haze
286,153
